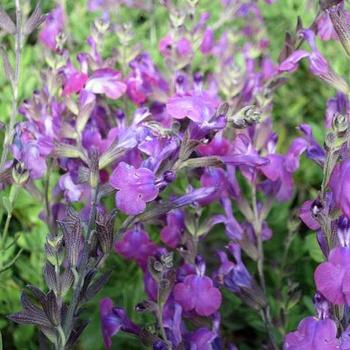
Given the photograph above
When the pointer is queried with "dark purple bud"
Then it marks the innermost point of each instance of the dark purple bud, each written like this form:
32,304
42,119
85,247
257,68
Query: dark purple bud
322,306
322,242
160,345
343,231
197,77
169,176
316,207
120,114
146,306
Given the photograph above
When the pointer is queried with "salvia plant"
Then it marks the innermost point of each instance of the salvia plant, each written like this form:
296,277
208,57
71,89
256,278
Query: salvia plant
165,153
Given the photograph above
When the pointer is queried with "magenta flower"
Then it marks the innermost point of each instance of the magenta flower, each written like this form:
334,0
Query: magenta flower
313,334
340,186
197,293
332,278
74,80
53,26
135,188
106,81
113,320
135,245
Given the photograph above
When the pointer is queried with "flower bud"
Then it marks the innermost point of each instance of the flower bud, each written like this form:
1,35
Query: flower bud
19,173
340,123
101,25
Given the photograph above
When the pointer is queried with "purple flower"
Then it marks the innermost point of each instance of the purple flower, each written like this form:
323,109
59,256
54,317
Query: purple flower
145,81
345,339
113,320
197,107
201,339
197,293
325,28
313,334
136,188
234,275
53,26
314,151
106,81
72,192
305,214
136,245
340,185
280,170
208,41
171,233
332,278
290,64
182,47
74,80
319,66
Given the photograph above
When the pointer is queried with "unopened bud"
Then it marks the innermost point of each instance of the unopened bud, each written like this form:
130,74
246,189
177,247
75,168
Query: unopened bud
101,25
340,123
19,173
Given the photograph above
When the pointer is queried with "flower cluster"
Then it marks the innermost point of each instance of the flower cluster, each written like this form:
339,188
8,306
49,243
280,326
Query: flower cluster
153,160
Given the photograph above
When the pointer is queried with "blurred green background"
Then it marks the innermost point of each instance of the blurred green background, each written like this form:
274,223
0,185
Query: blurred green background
302,99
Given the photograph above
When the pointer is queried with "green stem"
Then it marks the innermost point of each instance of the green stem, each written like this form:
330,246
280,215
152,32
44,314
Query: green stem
257,225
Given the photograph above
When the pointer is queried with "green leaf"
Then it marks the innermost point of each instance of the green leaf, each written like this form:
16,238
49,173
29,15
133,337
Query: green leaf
313,248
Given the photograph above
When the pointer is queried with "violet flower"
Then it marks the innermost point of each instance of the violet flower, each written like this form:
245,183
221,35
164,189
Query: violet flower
113,320
135,188
340,186
197,293
171,233
201,339
313,334
325,29
135,245
106,81
53,26
332,277
197,107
